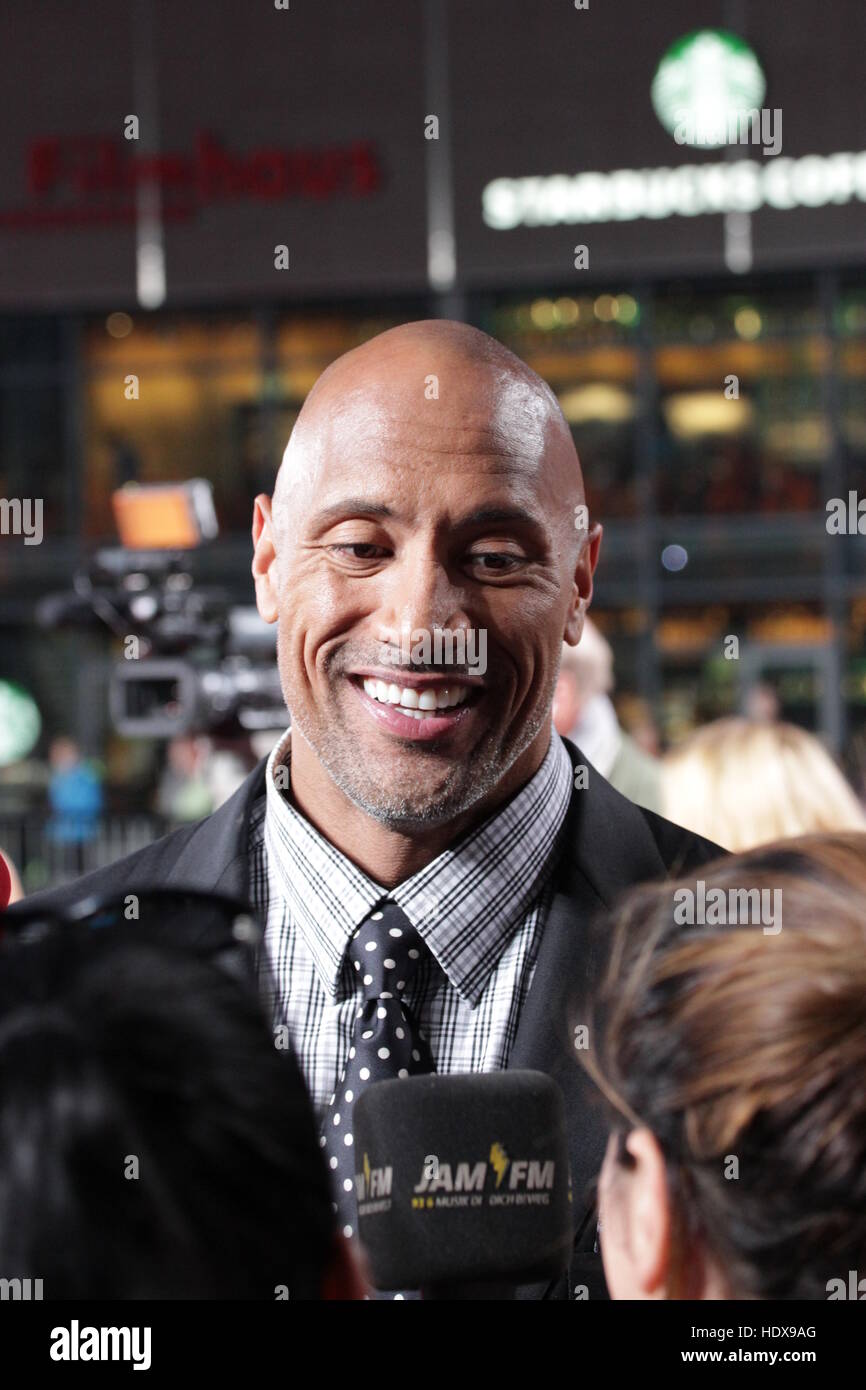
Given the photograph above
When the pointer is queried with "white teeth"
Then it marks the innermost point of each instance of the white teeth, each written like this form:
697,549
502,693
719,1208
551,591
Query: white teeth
418,704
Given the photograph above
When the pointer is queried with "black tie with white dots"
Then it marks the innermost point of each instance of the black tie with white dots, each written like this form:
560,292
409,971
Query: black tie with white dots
386,1043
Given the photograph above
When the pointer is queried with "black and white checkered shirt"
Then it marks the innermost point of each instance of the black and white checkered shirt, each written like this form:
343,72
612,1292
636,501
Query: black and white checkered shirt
479,906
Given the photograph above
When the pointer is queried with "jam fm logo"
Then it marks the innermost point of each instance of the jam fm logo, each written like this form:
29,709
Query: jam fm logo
373,1188
501,1181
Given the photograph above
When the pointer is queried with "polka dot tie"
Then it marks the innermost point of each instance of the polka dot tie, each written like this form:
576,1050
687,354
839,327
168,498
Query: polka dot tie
387,1043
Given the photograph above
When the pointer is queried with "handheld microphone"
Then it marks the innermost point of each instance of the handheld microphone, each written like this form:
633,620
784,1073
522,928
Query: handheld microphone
462,1182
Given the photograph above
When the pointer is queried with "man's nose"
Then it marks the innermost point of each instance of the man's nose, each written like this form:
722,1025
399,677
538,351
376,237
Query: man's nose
421,595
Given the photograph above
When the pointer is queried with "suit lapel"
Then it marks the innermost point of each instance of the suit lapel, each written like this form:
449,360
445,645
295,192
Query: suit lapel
607,846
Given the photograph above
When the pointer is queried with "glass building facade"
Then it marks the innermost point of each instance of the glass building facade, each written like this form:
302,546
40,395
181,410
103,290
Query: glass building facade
714,421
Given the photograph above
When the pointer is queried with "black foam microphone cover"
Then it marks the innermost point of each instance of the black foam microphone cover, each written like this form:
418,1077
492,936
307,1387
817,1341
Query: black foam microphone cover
463,1180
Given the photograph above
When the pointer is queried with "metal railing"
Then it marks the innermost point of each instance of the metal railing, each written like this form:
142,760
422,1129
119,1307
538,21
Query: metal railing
44,862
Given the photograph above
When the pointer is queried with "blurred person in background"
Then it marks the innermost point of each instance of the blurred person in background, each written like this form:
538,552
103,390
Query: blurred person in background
154,1143
733,1061
199,776
583,711
75,797
637,719
744,783
227,763
762,703
183,793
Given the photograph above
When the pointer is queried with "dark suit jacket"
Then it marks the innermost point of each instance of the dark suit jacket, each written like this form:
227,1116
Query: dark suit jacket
610,844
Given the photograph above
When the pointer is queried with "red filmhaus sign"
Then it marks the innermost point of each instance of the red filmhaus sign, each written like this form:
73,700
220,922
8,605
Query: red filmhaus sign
93,179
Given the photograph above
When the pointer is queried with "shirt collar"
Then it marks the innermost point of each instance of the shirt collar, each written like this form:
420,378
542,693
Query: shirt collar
465,904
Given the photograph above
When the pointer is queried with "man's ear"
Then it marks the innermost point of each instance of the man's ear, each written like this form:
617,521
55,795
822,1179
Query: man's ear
345,1277
264,559
581,595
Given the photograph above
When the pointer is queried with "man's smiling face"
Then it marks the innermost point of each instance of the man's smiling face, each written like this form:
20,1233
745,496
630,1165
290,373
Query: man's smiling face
396,515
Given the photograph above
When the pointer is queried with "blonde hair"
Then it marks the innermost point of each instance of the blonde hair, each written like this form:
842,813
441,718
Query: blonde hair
743,784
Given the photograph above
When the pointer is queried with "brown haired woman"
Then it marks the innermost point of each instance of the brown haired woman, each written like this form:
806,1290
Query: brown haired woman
734,1058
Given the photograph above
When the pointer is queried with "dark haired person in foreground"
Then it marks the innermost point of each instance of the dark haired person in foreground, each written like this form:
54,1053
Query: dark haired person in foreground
153,1141
734,1059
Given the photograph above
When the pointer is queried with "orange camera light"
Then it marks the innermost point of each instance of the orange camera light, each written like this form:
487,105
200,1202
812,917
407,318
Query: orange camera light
165,516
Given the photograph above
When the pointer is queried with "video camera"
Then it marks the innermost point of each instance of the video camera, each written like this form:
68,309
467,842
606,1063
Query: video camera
192,661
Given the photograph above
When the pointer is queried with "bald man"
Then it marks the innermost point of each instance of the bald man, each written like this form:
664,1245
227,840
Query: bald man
425,853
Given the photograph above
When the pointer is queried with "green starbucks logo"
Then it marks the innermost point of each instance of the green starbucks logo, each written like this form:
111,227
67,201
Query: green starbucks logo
708,89
19,723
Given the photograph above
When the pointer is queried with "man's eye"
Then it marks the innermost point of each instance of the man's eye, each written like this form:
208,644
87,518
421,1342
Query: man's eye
496,561
360,550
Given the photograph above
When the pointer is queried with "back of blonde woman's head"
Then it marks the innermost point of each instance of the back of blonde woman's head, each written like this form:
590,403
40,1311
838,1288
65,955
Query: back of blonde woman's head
743,784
